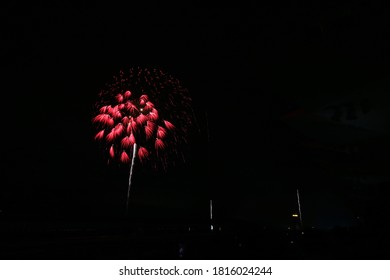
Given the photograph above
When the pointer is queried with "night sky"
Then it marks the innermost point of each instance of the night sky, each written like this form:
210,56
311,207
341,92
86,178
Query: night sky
285,97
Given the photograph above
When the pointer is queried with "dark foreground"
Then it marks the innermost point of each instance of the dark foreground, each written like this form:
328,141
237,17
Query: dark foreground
116,241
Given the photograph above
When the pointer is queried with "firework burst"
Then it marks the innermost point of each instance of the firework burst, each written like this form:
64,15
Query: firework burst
143,116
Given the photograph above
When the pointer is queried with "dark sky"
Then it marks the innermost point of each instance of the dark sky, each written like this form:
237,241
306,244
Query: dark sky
245,67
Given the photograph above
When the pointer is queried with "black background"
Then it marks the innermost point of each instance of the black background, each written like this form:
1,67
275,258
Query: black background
245,67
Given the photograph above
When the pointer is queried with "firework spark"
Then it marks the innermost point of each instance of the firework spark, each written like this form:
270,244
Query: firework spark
144,115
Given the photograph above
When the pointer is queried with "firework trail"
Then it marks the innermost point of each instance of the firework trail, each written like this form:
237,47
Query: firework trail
145,116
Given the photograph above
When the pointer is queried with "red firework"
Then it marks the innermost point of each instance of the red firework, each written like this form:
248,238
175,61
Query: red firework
143,115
